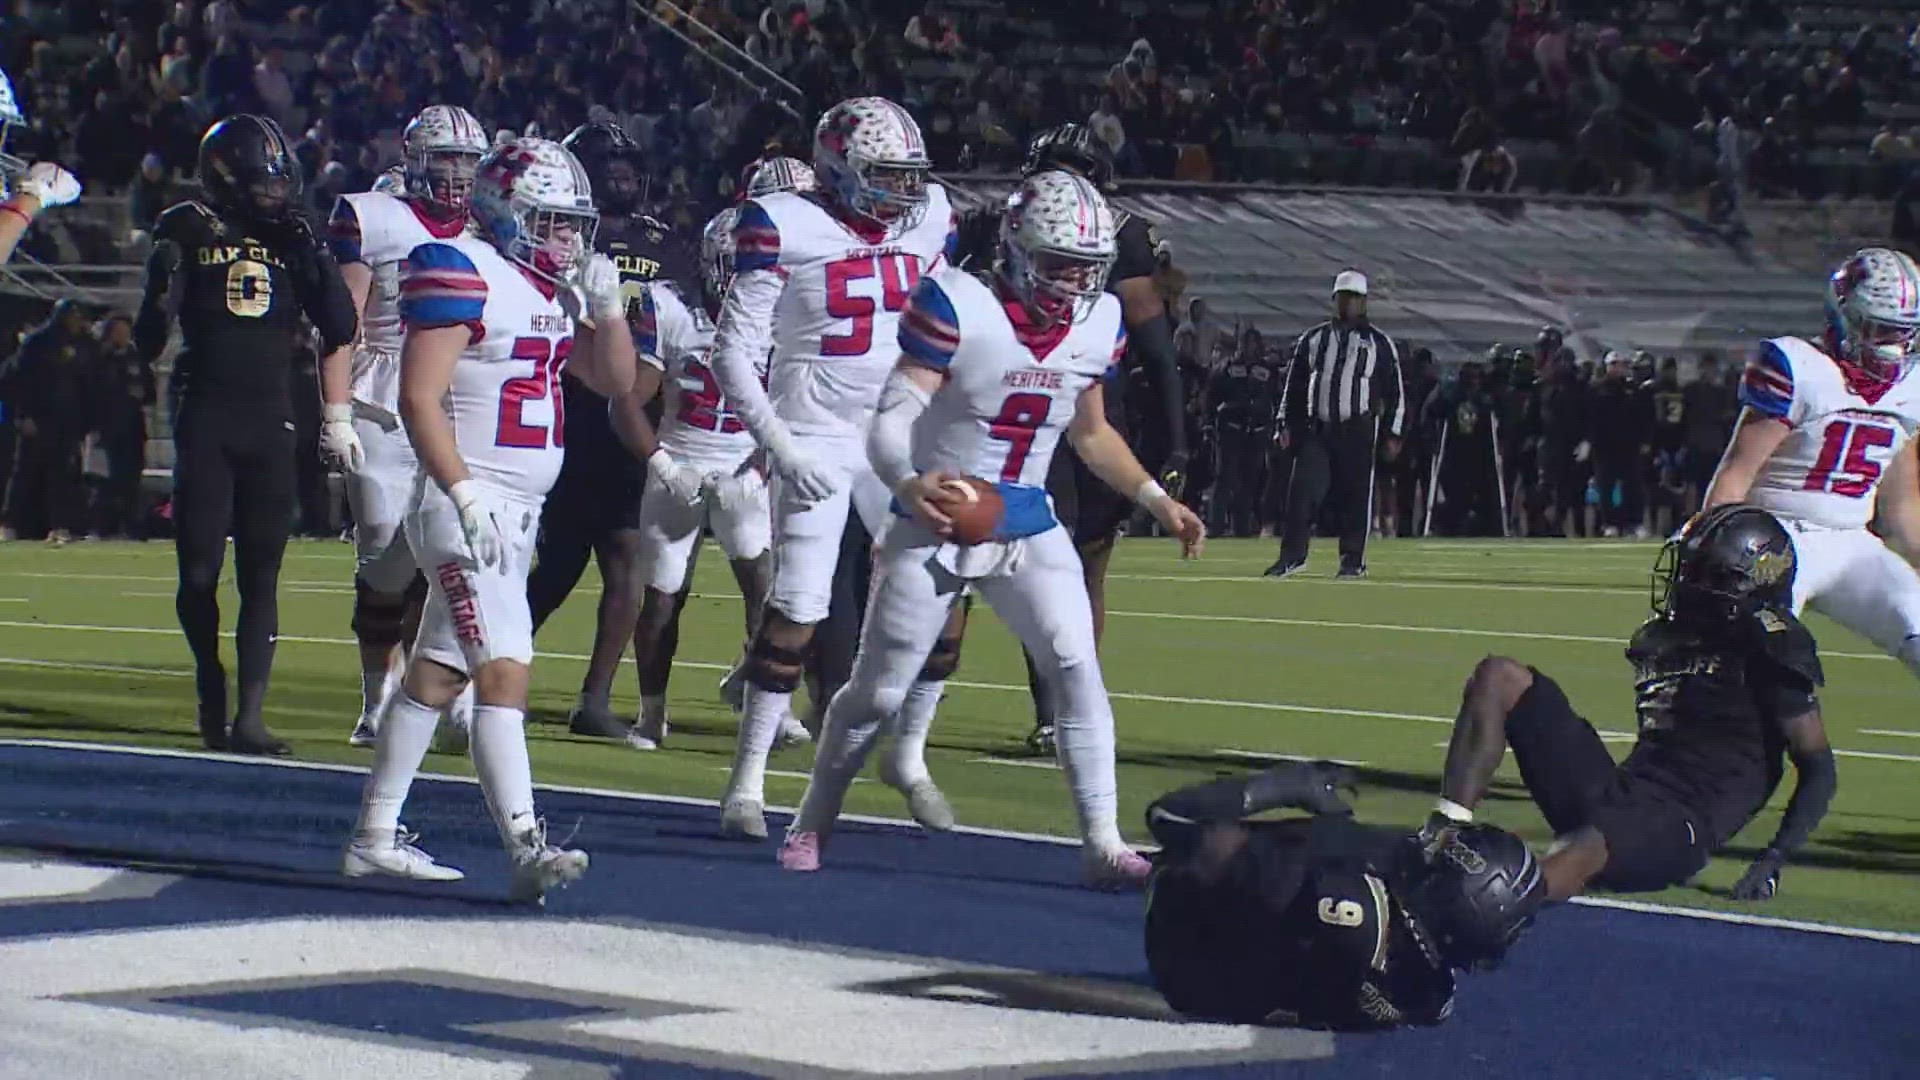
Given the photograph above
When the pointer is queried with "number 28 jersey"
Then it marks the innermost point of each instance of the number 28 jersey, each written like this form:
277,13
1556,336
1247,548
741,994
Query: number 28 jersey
696,426
1010,389
839,312
508,418
1844,434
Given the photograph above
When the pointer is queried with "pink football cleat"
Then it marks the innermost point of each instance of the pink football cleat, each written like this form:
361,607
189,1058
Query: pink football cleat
1116,870
800,852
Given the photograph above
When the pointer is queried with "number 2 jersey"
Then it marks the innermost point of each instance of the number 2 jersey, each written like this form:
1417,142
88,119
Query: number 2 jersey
1844,434
508,419
1011,388
838,308
379,230
696,426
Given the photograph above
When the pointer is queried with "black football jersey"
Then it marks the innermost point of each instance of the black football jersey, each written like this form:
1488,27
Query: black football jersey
239,290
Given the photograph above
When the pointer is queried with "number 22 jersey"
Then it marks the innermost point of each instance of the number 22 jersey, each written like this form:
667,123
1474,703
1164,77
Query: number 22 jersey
1845,432
696,426
508,418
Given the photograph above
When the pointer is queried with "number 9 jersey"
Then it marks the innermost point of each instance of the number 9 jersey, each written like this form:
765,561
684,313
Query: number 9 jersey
508,418
1845,432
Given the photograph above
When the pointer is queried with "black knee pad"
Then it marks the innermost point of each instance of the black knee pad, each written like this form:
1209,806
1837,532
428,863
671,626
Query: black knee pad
773,668
377,617
943,661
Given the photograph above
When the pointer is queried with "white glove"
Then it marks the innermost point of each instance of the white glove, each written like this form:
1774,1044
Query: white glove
49,183
479,524
338,441
678,477
737,491
812,479
1581,452
599,281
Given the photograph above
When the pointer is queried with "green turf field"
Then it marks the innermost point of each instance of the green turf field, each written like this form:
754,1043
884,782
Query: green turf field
1211,667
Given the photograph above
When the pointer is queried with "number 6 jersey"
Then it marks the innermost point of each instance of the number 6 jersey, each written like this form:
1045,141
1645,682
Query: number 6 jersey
1845,432
696,426
508,419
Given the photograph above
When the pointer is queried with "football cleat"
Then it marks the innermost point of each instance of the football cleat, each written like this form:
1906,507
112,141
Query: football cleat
1040,740
1284,569
792,733
649,733
1117,870
597,722
539,867
733,688
924,800
365,732
743,819
800,852
1355,570
394,856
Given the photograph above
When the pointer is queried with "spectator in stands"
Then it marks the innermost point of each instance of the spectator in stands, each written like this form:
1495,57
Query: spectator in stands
150,193
123,392
933,33
226,80
1105,123
1489,170
51,395
274,88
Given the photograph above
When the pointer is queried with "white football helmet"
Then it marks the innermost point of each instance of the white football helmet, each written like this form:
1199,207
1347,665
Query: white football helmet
532,201
442,145
871,161
716,253
392,182
780,174
10,118
1873,312
1057,242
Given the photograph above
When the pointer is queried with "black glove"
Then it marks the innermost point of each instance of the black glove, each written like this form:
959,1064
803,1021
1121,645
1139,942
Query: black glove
1173,475
1311,786
1762,879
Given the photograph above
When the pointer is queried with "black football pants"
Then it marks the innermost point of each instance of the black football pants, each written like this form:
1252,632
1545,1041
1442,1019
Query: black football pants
1331,459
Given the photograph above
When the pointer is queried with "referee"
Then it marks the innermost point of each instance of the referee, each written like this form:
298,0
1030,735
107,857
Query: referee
1342,390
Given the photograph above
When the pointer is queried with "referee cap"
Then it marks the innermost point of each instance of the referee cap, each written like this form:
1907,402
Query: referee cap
1350,281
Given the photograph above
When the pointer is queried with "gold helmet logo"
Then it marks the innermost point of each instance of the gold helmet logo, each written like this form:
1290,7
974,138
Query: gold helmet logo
1769,567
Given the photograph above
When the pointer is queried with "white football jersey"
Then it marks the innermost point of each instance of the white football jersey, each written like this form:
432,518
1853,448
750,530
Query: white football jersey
379,230
505,401
1844,432
696,426
1010,390
839,313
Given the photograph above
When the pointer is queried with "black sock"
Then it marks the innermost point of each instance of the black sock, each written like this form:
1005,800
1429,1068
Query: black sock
254,640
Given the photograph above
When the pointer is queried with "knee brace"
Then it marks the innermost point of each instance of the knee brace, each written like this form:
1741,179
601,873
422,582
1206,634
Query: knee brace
943,661
378,617
773,668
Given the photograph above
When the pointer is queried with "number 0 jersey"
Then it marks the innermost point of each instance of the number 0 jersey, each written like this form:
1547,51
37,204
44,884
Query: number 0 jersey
379,230
504,402
696,426
1844,435
1010,391
838,314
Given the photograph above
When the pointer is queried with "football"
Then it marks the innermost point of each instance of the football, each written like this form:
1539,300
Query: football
975,507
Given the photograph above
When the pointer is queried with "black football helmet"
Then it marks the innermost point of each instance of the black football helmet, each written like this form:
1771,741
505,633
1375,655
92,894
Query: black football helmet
612,161
1725,564
1073,147
247,167
1471,892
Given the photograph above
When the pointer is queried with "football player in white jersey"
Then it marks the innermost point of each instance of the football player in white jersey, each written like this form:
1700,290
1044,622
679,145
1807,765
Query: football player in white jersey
771,176
1826,440
699,468
26,190
490,320
825,274
992,374
370,235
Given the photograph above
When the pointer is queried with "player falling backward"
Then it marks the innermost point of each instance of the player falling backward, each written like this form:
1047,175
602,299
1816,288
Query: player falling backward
491,317
992,373
821,279
28,190
371,235
1826,439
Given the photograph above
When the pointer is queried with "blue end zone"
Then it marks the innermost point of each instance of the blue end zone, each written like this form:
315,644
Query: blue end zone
1590,993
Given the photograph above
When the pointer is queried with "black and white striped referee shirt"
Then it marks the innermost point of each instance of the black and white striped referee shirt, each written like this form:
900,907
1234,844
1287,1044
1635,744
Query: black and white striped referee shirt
1342,370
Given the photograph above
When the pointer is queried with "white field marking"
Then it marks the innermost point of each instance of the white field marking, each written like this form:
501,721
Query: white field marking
1257,755
1890,731
786,774
1890,936
1347,583
114,669
1022,763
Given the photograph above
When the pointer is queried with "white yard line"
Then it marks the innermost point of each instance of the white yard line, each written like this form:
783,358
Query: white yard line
1019,763
1890,731
1261,755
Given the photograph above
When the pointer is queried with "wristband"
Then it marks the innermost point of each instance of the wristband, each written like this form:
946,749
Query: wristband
660,461
337,414
1149,492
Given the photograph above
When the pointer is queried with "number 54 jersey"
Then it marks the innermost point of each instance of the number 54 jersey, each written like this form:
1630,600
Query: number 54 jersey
504,402
1011,389
696,426
1844,434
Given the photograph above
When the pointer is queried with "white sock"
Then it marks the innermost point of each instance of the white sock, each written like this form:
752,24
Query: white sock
406,731
846,735
500,760
908,750
1083,736
461,711
759,726
653,707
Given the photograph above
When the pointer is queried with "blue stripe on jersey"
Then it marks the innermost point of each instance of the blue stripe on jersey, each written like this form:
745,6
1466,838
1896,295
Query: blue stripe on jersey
1119,350
930,330
1767,386
440,286
646,329
952,247
756,241
1028,512
343,232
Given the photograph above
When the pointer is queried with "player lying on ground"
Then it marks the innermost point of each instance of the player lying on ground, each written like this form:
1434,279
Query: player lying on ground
370,235
992,373
25,190
1321,921
1825,443
1724,680
489,320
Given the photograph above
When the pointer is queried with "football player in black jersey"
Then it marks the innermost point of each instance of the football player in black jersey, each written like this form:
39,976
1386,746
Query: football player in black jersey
1093,511
237,268
1724,680
594,507
1321,921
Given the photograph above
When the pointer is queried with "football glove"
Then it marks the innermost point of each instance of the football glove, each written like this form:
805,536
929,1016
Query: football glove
812,479
737,491
1173,476
599,281
1762,879
339,443
486,541
49,183
680,479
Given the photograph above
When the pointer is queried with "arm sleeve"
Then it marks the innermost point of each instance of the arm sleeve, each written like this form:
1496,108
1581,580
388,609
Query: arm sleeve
890,439
1153,344
1816,780
326,300
1767,386
1389,390
343,232
153,322
440,286
1179,817
746,323
1293,396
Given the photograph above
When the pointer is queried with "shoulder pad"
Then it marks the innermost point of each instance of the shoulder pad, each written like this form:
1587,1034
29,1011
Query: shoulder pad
1788,643
1659,634
184,217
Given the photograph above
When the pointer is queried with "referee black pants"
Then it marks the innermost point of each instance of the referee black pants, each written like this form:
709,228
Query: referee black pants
1331,459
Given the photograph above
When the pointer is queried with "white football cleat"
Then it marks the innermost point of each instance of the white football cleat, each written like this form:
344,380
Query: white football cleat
648,733
1118,869
743,819
925,801
394,856
539,867
366,732
792,733
733,688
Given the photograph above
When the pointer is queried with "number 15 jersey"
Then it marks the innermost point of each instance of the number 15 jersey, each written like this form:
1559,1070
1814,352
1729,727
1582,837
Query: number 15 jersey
1844,433
839,311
